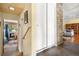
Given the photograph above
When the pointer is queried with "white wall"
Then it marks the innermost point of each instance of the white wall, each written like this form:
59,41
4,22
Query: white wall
51,19
25,44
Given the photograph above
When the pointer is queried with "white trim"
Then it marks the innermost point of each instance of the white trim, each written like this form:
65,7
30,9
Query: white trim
10,21
51,46
52,32
0,19
41,50
44,48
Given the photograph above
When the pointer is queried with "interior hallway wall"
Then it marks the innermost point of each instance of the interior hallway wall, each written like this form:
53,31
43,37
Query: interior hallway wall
25,44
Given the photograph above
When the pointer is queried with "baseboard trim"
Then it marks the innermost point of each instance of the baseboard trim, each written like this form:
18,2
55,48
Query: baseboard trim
41,50
20,54
51,46
45,48
59,43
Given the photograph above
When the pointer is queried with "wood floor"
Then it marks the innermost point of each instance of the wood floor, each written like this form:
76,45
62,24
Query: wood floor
76,37
66,49
10,49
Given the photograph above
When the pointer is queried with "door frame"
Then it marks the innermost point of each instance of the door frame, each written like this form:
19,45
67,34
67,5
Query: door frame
2,36
2,29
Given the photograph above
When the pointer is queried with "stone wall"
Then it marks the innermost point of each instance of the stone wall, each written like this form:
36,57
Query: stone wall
59,14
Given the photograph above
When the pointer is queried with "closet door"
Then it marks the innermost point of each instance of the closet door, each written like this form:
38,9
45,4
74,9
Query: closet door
40,26
51,24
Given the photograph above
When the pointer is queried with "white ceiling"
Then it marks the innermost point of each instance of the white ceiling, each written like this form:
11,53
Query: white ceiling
70,10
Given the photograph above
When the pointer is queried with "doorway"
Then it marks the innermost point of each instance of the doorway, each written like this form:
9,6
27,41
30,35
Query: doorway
10,30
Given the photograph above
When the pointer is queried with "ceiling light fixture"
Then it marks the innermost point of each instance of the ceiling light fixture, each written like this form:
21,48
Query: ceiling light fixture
12,8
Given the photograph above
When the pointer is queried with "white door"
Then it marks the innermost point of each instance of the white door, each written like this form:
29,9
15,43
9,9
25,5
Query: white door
40,26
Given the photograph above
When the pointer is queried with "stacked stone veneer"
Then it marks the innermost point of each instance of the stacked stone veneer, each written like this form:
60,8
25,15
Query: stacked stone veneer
59,18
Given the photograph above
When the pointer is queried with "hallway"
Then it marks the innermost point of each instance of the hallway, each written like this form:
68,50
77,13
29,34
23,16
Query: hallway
67,49
15,35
